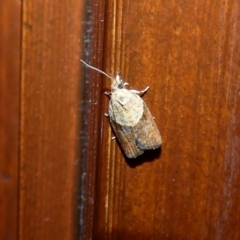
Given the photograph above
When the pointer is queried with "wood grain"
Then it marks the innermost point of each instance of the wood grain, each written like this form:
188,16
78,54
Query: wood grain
9,117
71,172
188,53
50,93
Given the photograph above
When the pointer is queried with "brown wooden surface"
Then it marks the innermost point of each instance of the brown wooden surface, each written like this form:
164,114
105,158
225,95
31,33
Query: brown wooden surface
188,53
9,117
75,182
50,119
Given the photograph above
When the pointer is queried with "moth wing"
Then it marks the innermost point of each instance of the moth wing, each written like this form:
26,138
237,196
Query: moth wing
133,123
147,134
127,139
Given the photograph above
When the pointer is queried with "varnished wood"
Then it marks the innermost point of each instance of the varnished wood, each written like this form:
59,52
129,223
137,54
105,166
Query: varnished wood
50,93
9,117
75,182
188,53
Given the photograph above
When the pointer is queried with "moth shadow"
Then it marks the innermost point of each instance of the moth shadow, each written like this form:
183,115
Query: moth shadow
147,156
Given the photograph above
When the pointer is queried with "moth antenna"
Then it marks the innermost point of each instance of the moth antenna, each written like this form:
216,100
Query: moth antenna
97,70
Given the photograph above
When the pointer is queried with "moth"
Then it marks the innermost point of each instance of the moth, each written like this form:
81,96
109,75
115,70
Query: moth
130,118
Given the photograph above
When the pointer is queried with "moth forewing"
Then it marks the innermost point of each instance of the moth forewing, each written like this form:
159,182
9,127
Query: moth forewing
126,138
148,135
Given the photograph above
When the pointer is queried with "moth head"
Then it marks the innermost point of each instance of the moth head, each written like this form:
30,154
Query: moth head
117,83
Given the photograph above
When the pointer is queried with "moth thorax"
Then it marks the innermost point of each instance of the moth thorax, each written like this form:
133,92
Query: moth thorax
126,108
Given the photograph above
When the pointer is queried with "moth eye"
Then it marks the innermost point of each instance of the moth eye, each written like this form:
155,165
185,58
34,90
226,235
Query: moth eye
120,85
121,99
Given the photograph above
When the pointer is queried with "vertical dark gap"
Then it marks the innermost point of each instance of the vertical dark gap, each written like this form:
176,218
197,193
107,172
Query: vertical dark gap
90,113
84,112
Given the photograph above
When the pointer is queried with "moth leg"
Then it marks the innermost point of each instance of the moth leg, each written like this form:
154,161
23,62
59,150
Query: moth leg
113,138
107,93
107,115
140,92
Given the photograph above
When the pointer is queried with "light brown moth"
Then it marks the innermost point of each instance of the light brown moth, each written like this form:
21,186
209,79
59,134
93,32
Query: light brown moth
130,118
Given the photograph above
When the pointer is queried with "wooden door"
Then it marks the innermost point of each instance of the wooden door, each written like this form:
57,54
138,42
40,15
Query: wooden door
62,177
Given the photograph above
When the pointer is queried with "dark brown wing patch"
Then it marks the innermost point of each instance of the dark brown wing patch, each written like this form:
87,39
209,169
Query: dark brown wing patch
147,133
